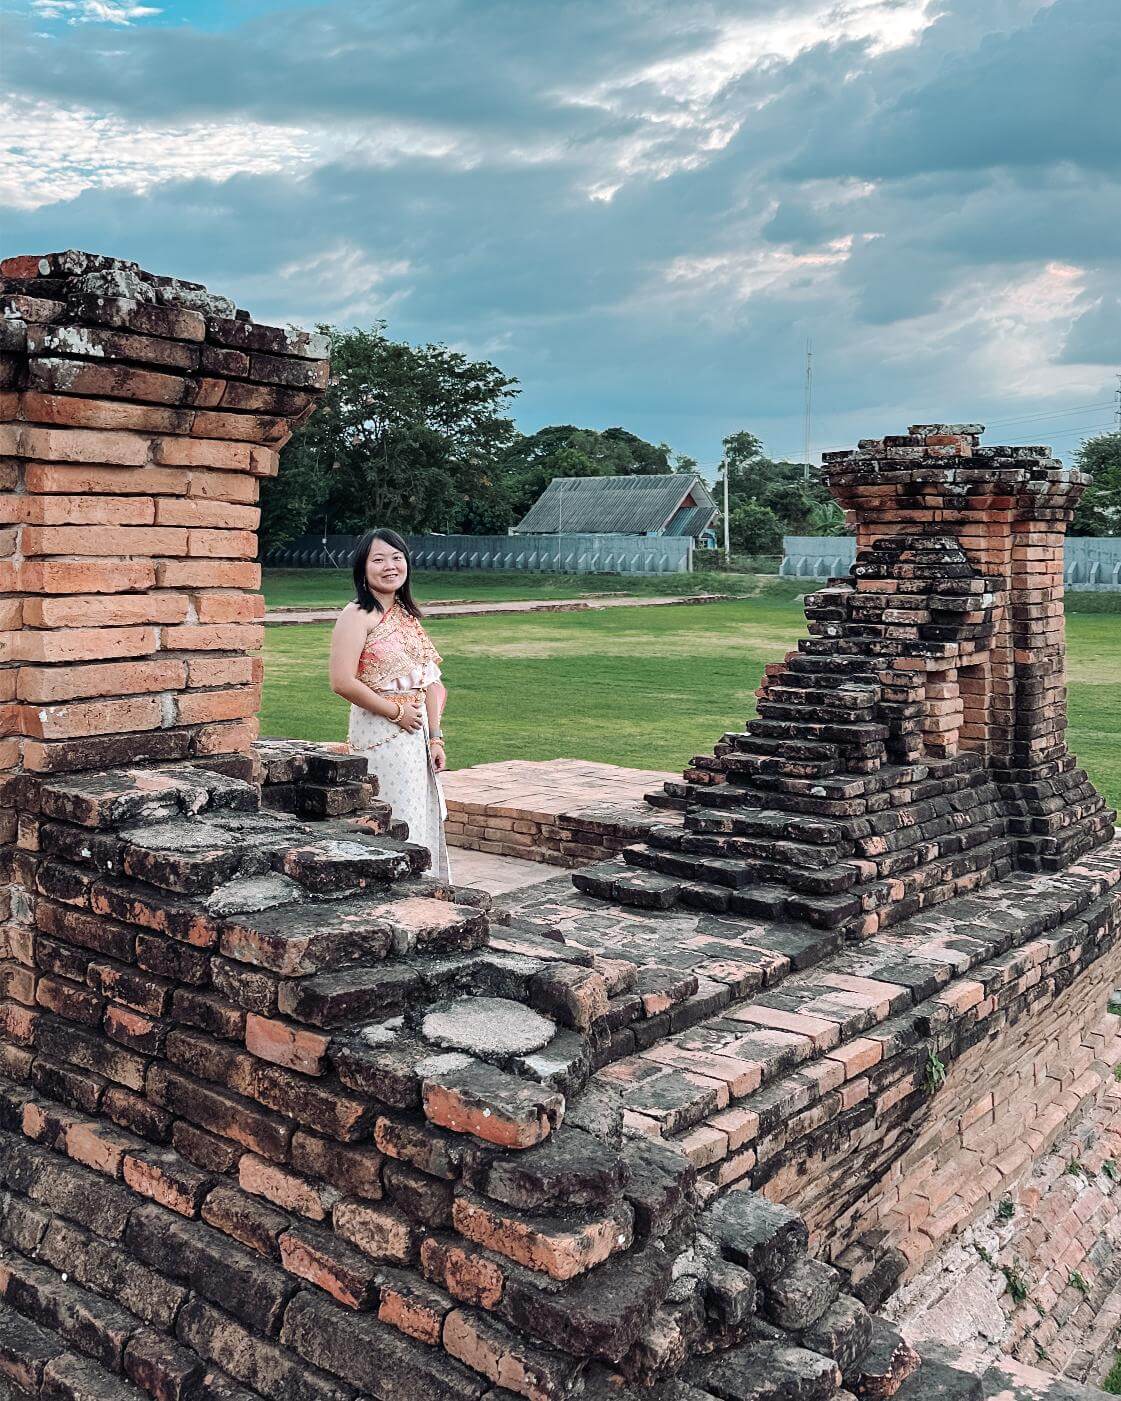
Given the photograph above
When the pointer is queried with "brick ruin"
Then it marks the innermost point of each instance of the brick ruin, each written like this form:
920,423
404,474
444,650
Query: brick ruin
283,1117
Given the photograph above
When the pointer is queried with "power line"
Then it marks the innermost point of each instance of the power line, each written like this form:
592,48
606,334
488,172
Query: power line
1090,429
1056,413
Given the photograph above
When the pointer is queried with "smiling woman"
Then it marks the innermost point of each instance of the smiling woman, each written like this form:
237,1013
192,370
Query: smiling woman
384,663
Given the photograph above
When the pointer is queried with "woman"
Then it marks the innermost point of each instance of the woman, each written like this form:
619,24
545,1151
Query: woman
383,662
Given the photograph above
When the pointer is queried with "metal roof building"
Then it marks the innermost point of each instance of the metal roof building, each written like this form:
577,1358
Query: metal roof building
671,503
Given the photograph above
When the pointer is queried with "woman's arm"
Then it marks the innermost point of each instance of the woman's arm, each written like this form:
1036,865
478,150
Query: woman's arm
434,701
347,641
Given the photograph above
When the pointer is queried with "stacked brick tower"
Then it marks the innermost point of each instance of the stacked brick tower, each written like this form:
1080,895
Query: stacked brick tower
137,417
913,748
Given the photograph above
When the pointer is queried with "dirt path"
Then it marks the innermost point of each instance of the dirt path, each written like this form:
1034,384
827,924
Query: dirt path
467,610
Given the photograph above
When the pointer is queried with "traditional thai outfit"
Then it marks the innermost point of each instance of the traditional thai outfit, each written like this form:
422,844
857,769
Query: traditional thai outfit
400,663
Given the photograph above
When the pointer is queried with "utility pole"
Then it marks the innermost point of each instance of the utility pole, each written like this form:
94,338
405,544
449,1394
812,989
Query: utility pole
727,536
807,411
1117,405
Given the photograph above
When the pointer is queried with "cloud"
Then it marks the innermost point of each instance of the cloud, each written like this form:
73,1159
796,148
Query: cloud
92,11
1094,337
641,209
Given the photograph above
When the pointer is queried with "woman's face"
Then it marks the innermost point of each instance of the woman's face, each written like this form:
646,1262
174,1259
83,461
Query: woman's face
386,568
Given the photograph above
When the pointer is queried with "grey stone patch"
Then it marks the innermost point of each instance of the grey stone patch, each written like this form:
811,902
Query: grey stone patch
565,1063
489,1027
384,1033
239,897
444,1064
117,283
172,292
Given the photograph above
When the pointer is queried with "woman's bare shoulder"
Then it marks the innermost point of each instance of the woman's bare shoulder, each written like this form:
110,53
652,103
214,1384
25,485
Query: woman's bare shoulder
352,618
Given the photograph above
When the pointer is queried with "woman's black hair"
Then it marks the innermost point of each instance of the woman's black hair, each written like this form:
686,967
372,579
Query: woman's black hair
364,595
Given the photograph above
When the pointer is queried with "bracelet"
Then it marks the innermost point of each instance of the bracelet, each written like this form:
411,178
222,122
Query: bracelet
435,734
437,739
396,719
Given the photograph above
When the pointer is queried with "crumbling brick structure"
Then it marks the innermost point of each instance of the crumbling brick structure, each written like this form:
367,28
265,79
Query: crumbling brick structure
281,1116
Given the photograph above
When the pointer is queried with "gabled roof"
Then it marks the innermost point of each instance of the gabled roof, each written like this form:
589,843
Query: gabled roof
618,505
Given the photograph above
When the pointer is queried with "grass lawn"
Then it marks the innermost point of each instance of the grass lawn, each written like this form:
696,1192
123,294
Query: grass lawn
329,588
643,687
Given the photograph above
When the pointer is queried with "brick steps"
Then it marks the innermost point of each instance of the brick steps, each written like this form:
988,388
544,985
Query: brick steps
740,1089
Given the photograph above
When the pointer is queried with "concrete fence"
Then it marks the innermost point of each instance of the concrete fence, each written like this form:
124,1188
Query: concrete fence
1090,562
567,554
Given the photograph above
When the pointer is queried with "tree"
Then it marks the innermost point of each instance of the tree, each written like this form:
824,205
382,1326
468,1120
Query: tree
797,500
406,436
1099,511
755,529
563,450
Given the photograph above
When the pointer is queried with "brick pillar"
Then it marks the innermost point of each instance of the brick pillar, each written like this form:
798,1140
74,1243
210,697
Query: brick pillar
137,417
1008,509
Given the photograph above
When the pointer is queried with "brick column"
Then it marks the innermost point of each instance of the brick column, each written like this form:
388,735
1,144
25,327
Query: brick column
1008,508
137,416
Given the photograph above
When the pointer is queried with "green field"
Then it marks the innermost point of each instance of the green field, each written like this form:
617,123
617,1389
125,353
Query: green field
643,687
329,588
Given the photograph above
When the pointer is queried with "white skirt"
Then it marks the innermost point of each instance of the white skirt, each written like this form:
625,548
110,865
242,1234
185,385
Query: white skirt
402,764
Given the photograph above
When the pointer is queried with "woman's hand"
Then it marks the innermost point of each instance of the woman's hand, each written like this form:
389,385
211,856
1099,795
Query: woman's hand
410,716
439,757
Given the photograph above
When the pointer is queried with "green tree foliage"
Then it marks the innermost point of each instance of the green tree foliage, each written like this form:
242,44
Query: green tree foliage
755,529
795,503
406,436
563,450
1099,511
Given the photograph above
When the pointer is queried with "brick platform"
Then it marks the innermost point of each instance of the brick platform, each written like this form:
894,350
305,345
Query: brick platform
565,812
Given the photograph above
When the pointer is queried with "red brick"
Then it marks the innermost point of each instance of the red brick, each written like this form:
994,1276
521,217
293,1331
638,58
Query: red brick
168,1179
381,1232
562,1252
108,540
285,1043
111,414
285,1189
413,1308
466,1274
77,445
88,610
222,486
63,683
198,511
100,717
222,606
216,637
126,481
100,1147
326,1262
234,737
89,644
222,544
86,510
85,576
196,452
207,574
224,671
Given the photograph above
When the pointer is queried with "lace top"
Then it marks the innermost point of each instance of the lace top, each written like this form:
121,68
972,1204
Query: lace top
398,655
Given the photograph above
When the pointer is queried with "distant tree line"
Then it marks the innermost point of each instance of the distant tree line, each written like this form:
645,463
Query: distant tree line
1099,511
421,438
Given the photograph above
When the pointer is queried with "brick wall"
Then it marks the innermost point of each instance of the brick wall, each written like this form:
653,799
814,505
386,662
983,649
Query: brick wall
138,415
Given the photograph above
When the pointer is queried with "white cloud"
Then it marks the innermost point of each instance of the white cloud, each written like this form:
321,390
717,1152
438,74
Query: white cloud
92,11
50,153
341,283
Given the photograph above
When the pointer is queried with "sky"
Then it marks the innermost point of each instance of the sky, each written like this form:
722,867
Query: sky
642,209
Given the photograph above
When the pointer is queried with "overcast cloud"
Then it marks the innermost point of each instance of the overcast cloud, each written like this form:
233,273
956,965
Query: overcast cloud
641,208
